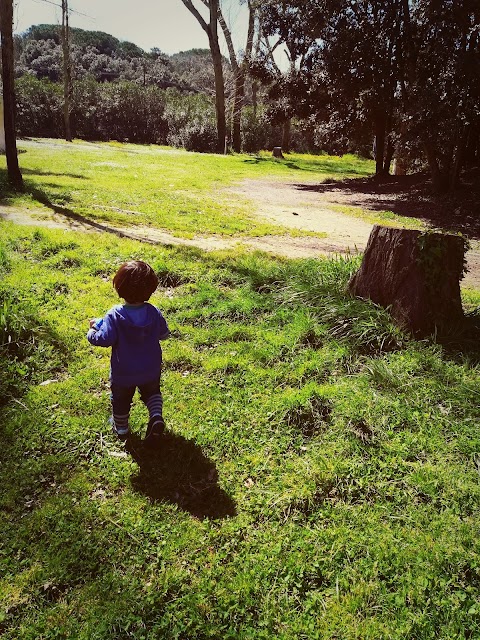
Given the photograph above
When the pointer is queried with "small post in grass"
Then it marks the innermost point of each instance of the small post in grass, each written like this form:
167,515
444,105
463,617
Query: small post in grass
277,152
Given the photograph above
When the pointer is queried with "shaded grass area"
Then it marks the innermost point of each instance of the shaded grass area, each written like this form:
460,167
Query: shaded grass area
183,192
319,478
410,200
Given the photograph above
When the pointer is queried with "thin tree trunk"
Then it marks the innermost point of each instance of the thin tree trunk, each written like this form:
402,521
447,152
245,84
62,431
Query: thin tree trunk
390,150
435,172
67,76
458,159
238,83
237,110
6,22
219,81
239,70
212,33
379,144
254,99
472,149
256,48
286,135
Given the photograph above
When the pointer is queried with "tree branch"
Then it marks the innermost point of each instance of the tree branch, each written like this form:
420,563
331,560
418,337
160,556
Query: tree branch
228,39
193,10
251,30
270,51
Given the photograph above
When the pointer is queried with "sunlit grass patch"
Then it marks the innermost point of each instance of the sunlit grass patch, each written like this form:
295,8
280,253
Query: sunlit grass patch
182,192
318,479
380,217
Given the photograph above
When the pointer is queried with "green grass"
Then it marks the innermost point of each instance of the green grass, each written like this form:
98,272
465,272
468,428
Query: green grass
380,217
319,478
185,193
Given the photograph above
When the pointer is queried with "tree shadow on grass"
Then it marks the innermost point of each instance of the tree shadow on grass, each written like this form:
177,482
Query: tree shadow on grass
76,218
303,166
62,174
178,472
72,218
461,340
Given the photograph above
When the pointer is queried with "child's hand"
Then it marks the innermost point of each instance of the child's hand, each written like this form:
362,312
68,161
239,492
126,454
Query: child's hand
92,323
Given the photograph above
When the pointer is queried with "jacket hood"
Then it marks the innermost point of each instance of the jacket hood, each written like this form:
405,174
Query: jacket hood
136,322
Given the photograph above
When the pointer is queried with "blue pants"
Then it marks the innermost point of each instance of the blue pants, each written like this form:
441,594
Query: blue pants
122,397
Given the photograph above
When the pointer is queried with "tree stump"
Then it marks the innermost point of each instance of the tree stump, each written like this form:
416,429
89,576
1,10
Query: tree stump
415,275
277,152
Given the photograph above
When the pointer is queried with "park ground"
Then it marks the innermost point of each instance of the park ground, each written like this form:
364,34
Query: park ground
340,212
319,477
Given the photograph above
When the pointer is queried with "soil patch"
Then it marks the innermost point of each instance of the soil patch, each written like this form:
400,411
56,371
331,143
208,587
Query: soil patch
410,196
300,206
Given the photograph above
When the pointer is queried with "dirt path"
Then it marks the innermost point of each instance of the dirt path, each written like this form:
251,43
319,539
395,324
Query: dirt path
305,206
292,205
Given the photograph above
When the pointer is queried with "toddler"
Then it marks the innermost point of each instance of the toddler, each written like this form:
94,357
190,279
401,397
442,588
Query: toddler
133,330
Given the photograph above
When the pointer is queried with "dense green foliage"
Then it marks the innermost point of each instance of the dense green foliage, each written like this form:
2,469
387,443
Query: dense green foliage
116,111
102,57
404,72
119,91
123,93
127,111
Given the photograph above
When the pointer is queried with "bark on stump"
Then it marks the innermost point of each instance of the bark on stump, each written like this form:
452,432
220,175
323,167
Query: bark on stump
277,152
415,275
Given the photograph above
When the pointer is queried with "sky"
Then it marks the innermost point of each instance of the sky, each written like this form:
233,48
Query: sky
166,24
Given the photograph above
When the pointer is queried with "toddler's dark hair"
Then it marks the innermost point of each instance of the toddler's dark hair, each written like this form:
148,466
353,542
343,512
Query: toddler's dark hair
135,281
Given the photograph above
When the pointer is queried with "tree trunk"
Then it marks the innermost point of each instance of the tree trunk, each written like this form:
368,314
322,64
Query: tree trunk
254,99
237,110
219,80
211,30
458,159
239,69
435,172
472,149
388,156
67,76
379,144
286,135
6,22
415,275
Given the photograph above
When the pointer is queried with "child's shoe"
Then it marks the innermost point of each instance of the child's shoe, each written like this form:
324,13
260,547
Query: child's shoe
122,434
155,428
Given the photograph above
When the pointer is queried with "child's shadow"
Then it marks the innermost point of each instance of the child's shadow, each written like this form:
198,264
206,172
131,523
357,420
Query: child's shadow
178,472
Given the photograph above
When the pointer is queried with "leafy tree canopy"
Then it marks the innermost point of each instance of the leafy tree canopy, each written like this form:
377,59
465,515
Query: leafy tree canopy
102,42
108,59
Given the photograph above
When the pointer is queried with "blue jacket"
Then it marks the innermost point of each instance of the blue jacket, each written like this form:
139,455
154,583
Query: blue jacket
133,332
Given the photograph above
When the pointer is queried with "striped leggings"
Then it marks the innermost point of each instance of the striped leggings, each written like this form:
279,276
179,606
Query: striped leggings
122,397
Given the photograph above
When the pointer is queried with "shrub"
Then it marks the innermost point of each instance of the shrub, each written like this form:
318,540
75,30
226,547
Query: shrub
254,131
39,107
191,121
